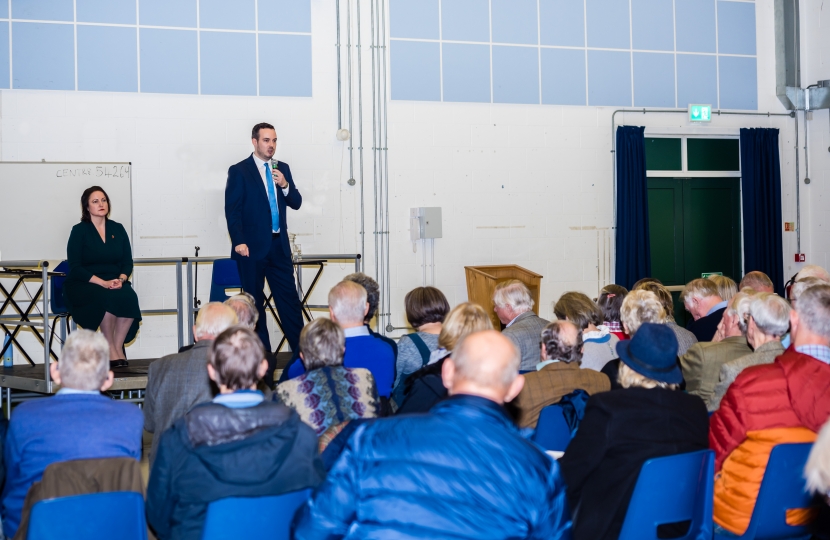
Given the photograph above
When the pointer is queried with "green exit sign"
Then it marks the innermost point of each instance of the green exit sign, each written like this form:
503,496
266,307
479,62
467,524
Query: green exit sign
705,275
700,113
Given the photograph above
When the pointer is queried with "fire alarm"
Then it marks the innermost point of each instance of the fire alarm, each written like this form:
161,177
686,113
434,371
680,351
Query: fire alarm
800,257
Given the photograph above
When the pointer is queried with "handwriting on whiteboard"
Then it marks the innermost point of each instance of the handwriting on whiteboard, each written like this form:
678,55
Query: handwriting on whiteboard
99,171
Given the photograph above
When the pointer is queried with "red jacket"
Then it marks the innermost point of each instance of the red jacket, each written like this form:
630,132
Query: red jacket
783,402
793,391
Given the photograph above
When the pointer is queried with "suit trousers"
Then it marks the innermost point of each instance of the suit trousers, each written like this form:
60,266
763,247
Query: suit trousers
278,269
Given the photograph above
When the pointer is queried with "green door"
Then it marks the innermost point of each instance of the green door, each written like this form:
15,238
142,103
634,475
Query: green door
694,227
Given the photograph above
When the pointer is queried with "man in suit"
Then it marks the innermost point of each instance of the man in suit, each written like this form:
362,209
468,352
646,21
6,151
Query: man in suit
769,319
513,306
256,197
558,373
702,300
702,362
179,381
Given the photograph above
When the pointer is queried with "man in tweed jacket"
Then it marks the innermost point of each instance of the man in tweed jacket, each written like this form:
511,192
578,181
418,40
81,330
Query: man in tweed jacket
769,319
559,374
179,381
513,305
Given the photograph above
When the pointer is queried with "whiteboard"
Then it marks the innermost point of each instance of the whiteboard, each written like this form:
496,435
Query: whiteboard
40,202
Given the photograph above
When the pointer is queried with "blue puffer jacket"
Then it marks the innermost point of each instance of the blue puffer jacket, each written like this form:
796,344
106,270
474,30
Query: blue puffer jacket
460,471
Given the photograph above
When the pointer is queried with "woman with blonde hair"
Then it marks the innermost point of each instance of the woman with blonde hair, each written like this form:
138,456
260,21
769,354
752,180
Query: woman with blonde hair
638,307
425,388
727,288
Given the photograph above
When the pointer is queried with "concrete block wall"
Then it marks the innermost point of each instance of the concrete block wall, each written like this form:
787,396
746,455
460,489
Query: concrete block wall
524,184
815,67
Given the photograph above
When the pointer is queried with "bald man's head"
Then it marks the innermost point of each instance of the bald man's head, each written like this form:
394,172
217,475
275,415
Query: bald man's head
484,364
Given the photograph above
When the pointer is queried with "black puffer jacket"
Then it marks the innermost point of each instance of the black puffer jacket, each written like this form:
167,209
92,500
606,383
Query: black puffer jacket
215,452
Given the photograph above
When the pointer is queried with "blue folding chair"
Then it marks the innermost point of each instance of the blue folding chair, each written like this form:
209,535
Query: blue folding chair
271,514
782,489
225,276
56,302
672,489
552,431
116,514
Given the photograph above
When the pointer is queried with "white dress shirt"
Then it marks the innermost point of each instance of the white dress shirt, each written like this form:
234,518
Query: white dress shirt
261,166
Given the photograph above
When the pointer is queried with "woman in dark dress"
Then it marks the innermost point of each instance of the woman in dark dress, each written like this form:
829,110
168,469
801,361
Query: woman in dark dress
96,289
647,418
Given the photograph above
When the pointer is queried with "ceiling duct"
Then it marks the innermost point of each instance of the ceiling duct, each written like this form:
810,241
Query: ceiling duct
787,55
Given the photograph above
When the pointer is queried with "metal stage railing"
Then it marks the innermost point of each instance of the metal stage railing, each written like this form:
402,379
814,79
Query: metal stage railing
38,270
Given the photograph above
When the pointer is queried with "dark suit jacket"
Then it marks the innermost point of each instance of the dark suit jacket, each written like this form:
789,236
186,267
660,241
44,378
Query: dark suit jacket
247,210
620,431
175,384
705,327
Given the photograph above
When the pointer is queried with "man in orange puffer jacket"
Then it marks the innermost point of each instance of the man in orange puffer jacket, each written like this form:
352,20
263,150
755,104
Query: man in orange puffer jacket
783,402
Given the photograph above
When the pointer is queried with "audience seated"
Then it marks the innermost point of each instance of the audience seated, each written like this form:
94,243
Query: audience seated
238,445
77,423
702,363
347,307
814,271
783,402
757,281
558,373
640,306
177,382
461,471
703,301
373,297
514,308
609,302
426,387
685,339
621,430
328,393
727,288
426,309
768,320
794,292
244,305
599,343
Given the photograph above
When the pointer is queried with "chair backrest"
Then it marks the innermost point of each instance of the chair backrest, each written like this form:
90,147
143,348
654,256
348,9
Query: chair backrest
56,302
669,490
225,276
782,489
552,431
116,514
248,517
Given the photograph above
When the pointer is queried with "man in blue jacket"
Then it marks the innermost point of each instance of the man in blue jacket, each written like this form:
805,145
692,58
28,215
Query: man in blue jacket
77,423
256,196
460,471
238,445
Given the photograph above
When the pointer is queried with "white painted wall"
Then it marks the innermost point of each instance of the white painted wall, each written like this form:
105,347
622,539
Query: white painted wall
521,184
815,66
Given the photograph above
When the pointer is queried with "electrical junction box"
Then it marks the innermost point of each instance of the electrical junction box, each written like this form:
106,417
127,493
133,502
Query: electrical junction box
425,222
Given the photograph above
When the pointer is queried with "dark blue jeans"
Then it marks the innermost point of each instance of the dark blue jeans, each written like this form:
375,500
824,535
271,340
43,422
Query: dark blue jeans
278,269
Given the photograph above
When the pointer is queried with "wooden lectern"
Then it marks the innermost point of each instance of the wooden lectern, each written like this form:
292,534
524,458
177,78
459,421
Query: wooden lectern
482,280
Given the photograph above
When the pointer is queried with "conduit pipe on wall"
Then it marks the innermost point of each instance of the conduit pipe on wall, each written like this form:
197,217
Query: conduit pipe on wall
360,137
339,89
685,111
380,161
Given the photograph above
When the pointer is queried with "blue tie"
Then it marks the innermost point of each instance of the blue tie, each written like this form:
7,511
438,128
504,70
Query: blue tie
272,199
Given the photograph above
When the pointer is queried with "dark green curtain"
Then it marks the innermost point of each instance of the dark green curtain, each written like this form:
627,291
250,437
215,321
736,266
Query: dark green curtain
761,194
632,245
